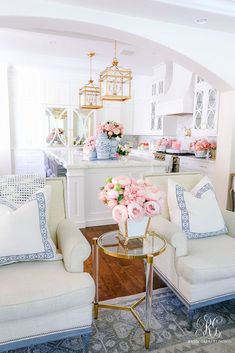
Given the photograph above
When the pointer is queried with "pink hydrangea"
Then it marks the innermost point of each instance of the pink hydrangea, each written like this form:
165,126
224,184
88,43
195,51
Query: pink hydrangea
90,144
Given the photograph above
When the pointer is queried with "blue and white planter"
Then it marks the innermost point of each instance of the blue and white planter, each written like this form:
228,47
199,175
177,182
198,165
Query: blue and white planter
103,146
114,146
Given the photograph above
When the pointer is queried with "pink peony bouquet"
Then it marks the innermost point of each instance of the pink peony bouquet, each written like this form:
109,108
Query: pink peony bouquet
89,144
111,128
201,145
131,198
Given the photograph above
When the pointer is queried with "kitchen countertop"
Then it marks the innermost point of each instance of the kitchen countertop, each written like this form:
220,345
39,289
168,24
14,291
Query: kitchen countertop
72,159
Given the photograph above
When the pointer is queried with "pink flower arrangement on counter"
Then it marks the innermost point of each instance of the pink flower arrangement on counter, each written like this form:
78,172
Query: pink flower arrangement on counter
201,145
89,144
111,128
131,198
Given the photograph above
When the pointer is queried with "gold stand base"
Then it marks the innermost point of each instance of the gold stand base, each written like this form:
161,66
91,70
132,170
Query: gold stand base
130,308
147,339
96,307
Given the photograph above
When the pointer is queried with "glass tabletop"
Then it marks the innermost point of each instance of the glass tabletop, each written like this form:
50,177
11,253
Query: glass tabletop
112,244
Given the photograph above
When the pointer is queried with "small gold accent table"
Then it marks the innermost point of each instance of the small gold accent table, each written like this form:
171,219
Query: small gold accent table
145,248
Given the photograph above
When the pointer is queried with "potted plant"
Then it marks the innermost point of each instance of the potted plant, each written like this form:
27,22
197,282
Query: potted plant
89,149
113,131
133,203
201,147
123,151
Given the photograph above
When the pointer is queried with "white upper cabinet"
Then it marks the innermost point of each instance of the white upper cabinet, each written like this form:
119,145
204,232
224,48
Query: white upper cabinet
206,103
142,86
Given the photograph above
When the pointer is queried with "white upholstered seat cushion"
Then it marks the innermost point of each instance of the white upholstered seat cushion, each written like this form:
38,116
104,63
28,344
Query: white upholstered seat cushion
39,288
208,259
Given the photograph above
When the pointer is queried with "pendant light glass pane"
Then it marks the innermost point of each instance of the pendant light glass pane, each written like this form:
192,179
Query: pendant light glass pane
89,95
115,82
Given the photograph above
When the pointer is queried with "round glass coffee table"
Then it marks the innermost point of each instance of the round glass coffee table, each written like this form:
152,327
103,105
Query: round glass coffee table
146,248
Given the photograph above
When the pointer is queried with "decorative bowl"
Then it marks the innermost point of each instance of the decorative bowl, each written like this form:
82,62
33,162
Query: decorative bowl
200,154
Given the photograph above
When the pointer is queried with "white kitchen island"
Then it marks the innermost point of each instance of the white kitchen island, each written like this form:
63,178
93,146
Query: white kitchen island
84,179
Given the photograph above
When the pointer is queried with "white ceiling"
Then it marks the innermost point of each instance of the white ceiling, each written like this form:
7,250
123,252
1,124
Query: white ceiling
220,13
68,47
70,50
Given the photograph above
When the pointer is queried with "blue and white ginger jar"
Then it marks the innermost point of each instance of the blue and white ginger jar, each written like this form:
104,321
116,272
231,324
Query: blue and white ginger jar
103,146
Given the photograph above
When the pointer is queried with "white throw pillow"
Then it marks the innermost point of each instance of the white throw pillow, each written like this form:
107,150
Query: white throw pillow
24,234
197,211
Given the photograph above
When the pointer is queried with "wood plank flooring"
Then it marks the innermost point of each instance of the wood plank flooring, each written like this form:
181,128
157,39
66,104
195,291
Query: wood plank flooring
117,277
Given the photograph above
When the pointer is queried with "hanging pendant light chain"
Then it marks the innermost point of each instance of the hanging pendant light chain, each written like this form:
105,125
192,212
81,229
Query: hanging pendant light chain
90,68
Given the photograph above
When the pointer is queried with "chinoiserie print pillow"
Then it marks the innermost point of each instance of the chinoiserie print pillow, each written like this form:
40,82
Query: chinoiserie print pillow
24,234
197,211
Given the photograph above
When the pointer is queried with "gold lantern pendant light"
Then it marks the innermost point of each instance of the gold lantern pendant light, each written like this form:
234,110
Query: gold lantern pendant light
115,82
89,95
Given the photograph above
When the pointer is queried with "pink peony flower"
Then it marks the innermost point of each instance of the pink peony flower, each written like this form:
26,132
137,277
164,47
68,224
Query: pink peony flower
122,180
109,186
119,213
152,208
135,211
102,196
153,193
112,194
116,131
112,203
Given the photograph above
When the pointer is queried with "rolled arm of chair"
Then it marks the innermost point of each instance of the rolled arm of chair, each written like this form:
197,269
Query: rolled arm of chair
73,245
229,219
172,233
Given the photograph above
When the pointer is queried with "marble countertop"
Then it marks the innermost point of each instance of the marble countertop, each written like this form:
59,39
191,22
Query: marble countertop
73,159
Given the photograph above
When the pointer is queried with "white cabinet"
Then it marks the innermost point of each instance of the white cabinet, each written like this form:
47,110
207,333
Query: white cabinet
205,115
158,90
67,125
164,125
203,166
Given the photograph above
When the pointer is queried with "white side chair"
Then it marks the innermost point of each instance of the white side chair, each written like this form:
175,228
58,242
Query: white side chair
200,271
45,301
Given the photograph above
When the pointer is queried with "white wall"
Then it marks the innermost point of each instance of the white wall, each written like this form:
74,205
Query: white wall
225,159
5,138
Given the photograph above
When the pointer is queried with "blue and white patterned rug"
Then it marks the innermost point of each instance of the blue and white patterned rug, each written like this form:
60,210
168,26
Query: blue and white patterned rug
118,332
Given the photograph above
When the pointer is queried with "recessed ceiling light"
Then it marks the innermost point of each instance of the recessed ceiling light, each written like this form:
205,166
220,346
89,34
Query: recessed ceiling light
127,52
201,21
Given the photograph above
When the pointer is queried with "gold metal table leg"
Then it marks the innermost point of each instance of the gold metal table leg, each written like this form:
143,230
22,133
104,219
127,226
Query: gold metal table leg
147,339
148,301
95,272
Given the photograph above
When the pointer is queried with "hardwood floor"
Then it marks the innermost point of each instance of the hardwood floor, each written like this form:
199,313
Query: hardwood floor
117,277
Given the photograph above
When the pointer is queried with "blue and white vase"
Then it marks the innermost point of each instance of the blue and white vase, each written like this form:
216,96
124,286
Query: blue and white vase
103,146
92,155
114,146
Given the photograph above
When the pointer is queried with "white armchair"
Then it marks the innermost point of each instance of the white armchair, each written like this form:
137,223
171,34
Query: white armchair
199,271
45,301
